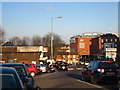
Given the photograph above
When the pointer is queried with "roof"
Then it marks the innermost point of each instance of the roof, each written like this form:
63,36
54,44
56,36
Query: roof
7,70
108,35
13,64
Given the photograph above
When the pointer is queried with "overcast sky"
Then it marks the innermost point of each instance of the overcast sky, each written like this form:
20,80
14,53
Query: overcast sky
34,18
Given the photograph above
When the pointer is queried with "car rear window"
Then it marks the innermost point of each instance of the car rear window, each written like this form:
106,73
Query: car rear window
108,65
8,81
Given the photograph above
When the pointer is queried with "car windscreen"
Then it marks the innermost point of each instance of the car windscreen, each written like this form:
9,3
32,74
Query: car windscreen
108,65
20,70
8,81
28,65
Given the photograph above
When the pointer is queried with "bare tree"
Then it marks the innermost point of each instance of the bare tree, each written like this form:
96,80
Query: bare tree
16,40
36,40
57,43
2,35
25,41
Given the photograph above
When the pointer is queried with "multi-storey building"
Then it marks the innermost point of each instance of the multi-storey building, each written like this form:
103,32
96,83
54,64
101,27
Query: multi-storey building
105,46
81,44
95,45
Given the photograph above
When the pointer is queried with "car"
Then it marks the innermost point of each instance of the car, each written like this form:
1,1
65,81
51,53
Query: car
63,66
45,68
42,67
57,63
22,71
32,69
86,63
10,79
118,78
98,71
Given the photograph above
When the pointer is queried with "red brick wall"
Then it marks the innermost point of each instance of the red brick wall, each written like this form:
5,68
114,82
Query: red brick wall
87,44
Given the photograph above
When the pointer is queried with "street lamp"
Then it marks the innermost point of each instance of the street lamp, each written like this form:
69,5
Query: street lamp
52,35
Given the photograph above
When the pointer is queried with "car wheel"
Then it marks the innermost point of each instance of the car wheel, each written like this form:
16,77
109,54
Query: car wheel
32,74
93,80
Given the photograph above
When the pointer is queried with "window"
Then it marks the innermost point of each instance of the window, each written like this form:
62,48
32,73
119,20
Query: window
111,40
102,40
115,45
115,40
106,40
8,81
82,45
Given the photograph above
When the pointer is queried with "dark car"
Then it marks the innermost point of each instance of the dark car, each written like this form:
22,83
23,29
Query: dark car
98,71
10,79
22,71
57,63
63,66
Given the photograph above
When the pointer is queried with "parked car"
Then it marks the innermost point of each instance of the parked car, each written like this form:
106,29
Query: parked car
32,69
63,66
98,71
57,63
42,67
118,79
22,71
10,79
45,68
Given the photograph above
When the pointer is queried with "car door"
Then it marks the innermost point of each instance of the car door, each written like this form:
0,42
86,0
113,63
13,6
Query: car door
88,70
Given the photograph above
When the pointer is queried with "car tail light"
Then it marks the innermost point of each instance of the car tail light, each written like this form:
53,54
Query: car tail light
100,70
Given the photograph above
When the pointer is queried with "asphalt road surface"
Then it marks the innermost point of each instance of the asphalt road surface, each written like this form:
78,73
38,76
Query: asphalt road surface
70,79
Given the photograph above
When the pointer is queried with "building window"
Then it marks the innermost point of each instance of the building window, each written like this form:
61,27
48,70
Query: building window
106,46
102,45
72,49
111,40
82,45
106,40
115,40
102,40
115,45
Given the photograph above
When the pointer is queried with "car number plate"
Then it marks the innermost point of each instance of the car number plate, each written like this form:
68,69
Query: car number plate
110,73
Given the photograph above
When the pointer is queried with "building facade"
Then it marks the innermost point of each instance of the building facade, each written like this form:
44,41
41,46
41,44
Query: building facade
105,45
19,54
95,46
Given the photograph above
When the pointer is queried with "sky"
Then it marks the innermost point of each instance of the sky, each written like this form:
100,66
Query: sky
34,18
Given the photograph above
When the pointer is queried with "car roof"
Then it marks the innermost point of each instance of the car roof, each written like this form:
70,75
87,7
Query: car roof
13,64
7,70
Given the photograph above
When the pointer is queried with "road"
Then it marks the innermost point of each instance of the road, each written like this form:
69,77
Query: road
67,79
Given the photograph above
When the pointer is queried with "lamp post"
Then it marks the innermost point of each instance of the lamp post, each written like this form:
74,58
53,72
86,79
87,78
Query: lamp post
52,36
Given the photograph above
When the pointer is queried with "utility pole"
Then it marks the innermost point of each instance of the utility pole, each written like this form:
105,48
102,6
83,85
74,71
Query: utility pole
52,54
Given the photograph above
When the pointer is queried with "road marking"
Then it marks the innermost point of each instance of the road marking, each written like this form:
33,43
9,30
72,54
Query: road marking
91,84
70,69
79,68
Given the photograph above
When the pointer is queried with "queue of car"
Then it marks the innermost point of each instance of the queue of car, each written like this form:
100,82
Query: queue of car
20,75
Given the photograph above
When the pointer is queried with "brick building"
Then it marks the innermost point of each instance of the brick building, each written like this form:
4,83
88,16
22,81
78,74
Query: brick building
95,46
105,46
81,45
21,54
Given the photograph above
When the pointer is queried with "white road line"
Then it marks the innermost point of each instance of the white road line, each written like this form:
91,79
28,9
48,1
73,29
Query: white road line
79,68
70,69
91,84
